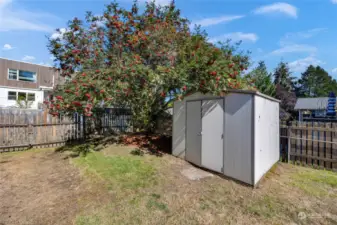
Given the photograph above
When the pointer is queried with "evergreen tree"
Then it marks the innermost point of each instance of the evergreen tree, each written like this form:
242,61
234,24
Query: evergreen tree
262,79
282,77
285,88
316,82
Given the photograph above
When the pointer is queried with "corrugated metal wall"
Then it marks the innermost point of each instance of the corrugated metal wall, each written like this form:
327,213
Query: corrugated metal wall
193,133
179,124
267,141
212,130
238,137
250,134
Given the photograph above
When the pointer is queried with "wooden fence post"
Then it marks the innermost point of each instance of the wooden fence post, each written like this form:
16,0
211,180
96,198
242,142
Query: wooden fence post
289,143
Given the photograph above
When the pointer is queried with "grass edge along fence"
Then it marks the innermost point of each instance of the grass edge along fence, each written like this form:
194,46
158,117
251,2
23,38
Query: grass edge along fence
24,129
309,143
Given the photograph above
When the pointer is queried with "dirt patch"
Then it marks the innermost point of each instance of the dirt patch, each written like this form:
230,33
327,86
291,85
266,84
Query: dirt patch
41,187
195,173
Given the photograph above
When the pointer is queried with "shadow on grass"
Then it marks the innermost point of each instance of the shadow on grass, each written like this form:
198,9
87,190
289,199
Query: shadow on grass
152,144
83,147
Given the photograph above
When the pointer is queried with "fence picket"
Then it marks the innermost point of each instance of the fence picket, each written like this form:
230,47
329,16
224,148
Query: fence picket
292,142
303,144
322,143
315,145
334,148
328,146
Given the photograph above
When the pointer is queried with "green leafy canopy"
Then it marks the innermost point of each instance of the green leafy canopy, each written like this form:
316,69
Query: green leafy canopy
140,60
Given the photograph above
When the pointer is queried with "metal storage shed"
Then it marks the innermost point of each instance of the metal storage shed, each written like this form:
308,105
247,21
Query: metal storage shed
236,134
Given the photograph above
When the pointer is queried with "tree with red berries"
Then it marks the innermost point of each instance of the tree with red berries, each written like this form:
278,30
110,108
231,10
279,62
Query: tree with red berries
141,60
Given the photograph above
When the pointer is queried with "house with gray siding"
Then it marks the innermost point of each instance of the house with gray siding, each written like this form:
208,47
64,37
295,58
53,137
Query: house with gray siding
311,108
26,80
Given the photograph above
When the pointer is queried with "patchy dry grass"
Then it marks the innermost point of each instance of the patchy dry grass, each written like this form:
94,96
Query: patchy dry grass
116,187
124,172
316,182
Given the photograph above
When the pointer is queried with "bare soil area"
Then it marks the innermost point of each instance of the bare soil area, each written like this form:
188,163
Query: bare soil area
42,187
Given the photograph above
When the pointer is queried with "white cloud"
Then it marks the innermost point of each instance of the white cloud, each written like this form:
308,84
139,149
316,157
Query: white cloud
28,58
12,18
163,2
158,2
7,46
58,34
44,64
238,36
334,1
301,65
294,48
217,20
301,35
334,70
279,7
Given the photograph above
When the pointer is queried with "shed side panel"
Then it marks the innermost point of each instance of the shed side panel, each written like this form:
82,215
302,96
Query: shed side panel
178,136
267,137
238,137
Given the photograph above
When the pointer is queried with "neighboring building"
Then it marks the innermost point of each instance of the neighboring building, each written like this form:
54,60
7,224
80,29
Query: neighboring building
312,108
31,81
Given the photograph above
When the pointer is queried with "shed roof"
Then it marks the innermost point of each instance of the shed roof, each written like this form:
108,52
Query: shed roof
252,92
311,103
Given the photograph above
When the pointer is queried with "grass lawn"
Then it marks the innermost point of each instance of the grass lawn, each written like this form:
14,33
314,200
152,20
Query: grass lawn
115,187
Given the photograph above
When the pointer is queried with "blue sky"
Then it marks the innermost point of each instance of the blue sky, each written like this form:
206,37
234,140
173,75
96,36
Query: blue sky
300,32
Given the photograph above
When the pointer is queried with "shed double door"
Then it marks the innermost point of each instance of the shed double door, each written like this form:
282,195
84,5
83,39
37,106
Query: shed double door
204,133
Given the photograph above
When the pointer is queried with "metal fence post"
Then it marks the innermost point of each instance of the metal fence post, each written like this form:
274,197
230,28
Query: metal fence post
84,128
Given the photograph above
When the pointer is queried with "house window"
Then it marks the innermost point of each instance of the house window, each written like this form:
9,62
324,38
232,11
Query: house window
27,76
12,95
31,97
22,96
12,74
21,75
320,113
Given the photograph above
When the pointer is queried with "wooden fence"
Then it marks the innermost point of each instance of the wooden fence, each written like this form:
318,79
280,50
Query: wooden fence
310,143
21,129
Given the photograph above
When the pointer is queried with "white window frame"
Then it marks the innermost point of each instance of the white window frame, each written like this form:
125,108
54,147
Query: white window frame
17,95
28,93
18,73
20,92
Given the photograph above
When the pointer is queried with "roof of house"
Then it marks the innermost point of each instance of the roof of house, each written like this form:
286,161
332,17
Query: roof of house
311,103
26,62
